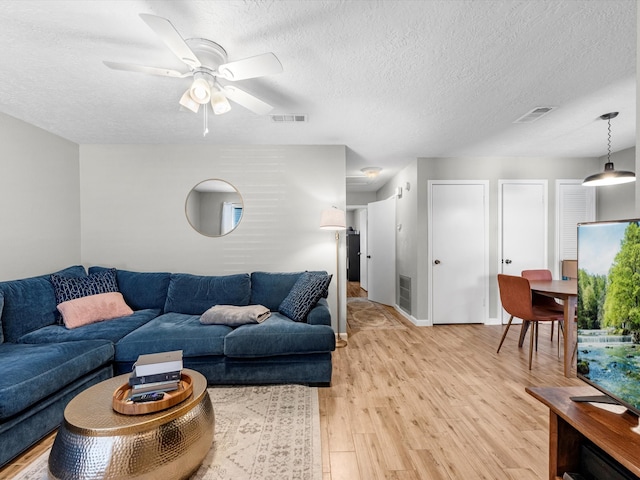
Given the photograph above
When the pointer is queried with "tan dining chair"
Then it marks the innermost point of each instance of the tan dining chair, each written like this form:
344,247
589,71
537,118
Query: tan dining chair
542,300
516,298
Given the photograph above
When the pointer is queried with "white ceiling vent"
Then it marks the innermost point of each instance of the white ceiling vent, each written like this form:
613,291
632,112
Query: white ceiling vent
288,118
534,114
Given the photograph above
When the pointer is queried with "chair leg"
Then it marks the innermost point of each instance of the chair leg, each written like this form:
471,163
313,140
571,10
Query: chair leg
505,333
533,333
536,330
553,325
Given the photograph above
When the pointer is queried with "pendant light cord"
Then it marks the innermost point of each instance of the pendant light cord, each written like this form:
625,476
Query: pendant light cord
609,140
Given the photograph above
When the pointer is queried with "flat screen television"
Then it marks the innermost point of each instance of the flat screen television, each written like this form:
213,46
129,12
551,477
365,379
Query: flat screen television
608,310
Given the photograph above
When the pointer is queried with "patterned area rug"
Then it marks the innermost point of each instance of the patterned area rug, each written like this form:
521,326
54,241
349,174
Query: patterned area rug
364,314
270,432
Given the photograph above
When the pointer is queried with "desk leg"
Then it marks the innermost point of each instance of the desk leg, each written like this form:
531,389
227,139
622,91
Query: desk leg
569,333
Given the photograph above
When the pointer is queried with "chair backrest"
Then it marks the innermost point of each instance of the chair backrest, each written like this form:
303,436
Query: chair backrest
515,295
537,274
570,268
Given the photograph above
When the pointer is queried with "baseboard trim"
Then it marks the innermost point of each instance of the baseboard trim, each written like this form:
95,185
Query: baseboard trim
412,319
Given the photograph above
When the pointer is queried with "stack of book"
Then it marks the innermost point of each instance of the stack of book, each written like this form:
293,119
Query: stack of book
156,372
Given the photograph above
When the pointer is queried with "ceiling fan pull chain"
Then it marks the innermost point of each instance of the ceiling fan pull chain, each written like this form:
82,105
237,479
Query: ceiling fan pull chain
206,122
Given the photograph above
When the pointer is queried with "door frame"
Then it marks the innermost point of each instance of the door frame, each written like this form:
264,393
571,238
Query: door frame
485,184
540,181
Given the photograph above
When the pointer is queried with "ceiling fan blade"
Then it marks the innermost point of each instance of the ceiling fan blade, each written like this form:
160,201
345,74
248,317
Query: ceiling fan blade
129,67
170,36
265,64
247,100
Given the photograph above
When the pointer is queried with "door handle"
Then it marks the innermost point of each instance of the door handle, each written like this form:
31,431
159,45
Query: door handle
507,261
368,256
436,262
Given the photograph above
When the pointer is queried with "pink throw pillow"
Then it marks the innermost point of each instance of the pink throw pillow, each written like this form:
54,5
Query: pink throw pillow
93,308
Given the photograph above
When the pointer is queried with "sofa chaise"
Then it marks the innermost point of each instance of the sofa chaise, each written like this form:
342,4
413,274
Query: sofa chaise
47,358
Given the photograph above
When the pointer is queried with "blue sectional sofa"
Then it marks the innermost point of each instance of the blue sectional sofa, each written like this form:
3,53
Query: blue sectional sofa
43,364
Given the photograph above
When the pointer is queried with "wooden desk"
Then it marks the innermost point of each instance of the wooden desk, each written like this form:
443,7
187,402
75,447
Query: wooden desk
567,291
571,424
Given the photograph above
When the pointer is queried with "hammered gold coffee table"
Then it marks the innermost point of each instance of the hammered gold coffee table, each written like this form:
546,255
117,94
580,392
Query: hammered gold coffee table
96,442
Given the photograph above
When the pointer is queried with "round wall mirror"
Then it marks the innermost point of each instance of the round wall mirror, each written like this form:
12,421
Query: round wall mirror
214,207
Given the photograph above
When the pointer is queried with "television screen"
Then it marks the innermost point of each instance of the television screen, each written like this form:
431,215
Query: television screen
608,309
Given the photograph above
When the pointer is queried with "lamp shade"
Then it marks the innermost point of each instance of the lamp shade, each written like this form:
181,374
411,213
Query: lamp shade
219,103
610,176
333,219
187,102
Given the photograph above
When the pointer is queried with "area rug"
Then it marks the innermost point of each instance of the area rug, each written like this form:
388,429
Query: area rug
364,314
261,433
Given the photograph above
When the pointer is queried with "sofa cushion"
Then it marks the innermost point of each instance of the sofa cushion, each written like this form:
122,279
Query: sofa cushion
93,308
30,303
194,294
305,293
31,373
69,288
113,330
141,290
270,289
278,335
173,331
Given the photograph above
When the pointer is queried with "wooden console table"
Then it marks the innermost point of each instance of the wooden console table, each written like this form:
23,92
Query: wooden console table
571,423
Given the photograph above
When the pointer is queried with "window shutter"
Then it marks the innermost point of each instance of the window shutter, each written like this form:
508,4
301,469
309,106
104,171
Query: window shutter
576,204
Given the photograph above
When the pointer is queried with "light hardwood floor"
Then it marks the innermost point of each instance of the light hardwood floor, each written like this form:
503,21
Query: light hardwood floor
429,403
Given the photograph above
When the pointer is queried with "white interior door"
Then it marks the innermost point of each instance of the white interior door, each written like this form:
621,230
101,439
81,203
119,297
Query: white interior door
459,257
381,251
364,271
523,227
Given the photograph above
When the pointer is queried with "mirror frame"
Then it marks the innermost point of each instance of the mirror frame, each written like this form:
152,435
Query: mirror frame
194,189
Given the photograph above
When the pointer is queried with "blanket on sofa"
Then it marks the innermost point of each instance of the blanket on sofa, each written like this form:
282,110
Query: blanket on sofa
233,315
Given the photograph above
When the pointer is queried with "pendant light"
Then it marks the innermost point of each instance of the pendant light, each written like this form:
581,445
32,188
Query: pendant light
610,176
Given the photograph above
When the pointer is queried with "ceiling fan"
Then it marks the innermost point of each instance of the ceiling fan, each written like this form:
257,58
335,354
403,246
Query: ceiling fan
207,62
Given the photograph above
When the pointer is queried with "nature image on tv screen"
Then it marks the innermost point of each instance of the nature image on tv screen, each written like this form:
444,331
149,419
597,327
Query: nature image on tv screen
608,308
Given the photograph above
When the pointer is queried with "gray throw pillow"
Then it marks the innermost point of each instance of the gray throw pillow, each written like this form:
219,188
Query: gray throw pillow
305,293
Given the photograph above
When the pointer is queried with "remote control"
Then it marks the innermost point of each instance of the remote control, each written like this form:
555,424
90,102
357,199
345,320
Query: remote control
147,397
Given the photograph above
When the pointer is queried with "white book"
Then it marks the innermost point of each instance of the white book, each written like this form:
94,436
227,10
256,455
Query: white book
162,362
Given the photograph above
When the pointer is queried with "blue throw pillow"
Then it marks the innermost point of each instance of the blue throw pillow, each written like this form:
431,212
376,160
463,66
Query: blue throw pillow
70,288
305,293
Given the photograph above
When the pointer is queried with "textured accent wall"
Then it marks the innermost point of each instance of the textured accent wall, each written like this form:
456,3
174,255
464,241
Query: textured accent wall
133,207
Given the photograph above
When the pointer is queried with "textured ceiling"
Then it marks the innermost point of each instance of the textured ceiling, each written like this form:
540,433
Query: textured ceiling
391,80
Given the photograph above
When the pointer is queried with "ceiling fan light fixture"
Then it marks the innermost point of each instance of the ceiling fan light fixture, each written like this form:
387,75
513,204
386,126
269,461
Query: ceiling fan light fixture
200,91
219,102
610,176
187,102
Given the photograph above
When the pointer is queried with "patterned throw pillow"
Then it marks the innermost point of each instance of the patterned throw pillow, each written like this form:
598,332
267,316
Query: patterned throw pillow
70,288
304,294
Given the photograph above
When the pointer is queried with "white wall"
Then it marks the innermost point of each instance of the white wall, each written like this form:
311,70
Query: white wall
617,202
39,198
412,238
133,208
409,254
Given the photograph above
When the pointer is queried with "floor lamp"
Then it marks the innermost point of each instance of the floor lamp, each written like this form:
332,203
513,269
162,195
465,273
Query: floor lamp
334,219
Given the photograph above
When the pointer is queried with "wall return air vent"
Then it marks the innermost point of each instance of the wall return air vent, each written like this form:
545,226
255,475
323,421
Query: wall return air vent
288,118
534,114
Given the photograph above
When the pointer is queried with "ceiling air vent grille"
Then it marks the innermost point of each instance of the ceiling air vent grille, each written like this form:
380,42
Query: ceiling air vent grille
534,114
288,118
